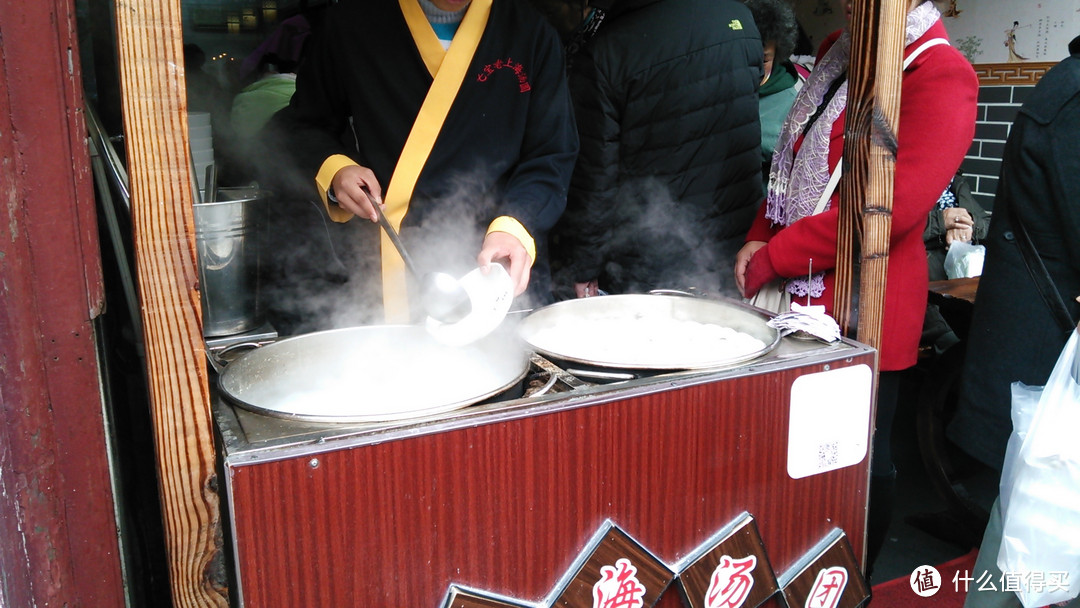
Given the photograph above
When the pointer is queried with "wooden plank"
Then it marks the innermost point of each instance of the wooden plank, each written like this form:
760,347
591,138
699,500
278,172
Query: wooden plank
873,111
149,39
58,541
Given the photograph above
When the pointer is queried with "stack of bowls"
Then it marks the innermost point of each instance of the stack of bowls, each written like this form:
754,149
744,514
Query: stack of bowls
202,144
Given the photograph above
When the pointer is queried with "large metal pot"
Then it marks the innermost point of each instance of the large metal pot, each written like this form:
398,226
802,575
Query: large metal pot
371,374
569,330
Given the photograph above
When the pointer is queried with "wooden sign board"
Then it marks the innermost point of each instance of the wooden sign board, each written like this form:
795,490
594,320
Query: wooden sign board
614,569
731,569
460,597
827,577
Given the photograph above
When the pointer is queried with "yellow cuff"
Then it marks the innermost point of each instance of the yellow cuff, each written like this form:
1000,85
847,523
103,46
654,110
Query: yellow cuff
513,227
325,178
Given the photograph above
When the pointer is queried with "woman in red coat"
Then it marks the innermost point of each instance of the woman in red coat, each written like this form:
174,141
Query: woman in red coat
937,123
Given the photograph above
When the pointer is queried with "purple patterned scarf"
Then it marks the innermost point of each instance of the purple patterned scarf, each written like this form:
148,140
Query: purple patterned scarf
797,181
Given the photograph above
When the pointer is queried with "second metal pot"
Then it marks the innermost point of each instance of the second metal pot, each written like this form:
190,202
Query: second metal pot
564,327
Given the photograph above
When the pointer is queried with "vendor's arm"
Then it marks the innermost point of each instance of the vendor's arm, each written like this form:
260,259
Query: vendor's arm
347,189
310,128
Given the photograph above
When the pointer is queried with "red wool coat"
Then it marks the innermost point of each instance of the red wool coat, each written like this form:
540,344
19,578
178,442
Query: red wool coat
937,124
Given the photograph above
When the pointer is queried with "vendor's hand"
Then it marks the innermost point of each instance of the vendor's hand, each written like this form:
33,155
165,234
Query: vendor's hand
587,289
742,259
759,271
357,190
504,247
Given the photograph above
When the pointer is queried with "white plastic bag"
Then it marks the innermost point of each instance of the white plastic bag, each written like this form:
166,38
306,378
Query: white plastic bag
964,260
1025,400
1040,489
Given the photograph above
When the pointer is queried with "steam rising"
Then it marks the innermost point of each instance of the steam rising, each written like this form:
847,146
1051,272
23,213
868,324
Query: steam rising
318,274
655,242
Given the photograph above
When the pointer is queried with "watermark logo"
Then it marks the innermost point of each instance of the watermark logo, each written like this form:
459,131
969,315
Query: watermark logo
925,581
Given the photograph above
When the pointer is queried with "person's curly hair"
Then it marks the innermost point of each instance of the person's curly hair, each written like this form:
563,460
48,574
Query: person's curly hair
775,21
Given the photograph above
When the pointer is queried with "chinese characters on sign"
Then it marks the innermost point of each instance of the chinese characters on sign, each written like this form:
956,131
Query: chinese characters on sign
828,588
618,587
731,582
614,571
731,570
827,577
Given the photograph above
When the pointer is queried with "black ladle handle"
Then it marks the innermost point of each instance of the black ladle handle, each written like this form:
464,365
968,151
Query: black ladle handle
395,239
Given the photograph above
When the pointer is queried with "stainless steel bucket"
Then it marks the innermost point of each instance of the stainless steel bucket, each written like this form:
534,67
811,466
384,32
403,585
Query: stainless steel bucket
228,236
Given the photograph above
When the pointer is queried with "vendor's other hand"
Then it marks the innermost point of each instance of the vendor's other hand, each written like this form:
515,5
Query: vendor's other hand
587,289
742,259
504,247
357,190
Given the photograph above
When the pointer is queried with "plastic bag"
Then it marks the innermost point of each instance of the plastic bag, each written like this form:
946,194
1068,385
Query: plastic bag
964,260
1040,489
1025,400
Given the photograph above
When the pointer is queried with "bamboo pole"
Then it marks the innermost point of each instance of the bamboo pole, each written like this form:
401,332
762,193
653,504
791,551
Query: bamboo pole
873,110
149,39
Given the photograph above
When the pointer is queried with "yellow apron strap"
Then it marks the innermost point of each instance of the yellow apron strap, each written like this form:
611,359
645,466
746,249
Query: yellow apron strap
451,66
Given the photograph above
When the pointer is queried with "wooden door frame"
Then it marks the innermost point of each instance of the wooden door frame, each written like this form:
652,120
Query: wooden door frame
58,527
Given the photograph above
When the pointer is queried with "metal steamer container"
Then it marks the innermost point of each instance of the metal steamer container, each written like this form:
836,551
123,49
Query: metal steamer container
564,331
228,238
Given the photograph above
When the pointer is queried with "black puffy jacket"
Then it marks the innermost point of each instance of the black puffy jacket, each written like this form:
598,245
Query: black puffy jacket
669,175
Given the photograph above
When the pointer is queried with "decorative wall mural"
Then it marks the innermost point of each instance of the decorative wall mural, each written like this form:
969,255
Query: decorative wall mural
994,31
1010,42
985,31
970,46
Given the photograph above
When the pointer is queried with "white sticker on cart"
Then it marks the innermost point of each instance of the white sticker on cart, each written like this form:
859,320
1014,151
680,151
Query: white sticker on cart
830,420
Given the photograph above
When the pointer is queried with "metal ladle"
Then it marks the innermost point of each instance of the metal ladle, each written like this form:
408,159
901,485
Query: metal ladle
443,297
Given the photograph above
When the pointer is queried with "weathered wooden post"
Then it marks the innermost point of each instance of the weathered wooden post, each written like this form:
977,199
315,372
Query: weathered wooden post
873,110
150,41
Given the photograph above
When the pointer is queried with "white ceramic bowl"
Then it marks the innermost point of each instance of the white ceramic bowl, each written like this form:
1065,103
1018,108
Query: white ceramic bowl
490,295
